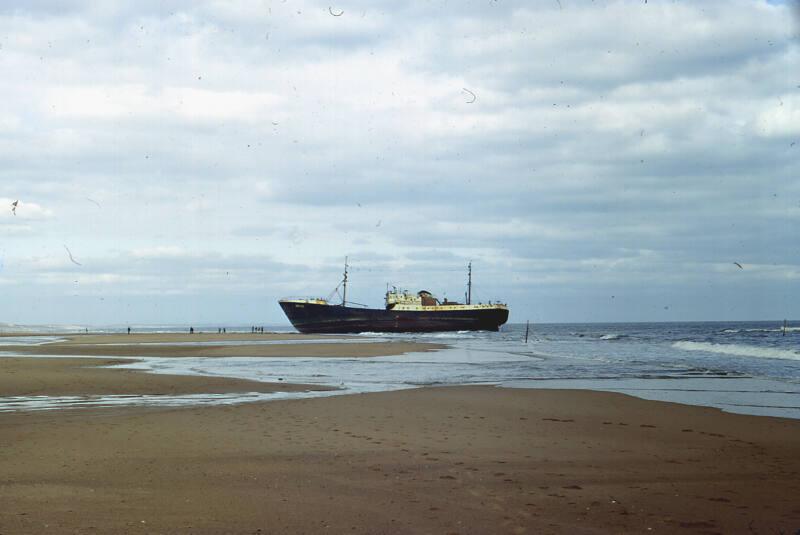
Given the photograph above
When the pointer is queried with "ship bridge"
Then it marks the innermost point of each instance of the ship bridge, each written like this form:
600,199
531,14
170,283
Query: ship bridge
424,300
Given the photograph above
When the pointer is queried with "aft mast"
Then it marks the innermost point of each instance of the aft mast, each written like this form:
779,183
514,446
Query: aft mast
469,284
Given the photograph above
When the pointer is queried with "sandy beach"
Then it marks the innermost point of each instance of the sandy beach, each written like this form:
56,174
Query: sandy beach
178,345
436,460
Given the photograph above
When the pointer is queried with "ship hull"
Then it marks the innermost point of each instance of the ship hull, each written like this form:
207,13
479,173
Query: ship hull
334,319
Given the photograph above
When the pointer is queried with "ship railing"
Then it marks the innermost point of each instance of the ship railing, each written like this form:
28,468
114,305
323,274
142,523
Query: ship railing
357,304
303,298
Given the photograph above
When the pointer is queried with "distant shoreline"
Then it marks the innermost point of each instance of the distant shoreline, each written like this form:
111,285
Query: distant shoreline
287,329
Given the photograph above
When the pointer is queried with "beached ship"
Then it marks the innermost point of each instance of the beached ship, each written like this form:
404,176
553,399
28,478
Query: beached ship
404,312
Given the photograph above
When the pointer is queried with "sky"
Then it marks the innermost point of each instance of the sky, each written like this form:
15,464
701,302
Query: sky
195,161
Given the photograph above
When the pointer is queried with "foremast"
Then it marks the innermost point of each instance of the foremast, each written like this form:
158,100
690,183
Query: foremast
344,283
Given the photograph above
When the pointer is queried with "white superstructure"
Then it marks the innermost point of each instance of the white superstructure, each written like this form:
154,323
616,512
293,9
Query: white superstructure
424,300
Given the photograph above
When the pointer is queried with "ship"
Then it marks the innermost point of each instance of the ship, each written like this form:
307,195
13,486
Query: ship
403,312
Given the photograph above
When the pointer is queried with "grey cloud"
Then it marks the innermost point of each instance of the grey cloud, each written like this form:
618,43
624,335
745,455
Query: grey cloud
651,165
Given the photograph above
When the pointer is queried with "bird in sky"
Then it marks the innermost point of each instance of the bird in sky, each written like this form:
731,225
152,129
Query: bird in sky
738,264
473,95
14,207
71,258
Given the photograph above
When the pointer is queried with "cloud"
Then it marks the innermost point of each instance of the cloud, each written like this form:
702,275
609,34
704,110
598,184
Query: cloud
160,252
135,102
243,149
781,119
15,230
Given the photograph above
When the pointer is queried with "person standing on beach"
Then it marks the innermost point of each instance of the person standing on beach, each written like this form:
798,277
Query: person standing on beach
191,330
129,330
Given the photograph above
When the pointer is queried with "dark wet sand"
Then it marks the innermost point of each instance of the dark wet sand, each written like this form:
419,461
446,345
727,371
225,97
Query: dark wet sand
26,376
438,460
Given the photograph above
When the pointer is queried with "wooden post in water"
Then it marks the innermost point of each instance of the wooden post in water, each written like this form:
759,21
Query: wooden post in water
784,327
527,325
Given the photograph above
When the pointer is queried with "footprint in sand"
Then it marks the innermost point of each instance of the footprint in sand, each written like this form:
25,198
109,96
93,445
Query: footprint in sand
699,524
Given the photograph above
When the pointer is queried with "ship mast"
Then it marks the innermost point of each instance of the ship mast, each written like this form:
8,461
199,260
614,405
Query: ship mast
344,283
469,284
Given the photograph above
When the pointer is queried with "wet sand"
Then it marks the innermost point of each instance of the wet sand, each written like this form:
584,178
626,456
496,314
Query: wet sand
437,460
68,376
141,345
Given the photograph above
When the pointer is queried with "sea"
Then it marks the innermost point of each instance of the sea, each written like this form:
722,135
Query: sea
741,367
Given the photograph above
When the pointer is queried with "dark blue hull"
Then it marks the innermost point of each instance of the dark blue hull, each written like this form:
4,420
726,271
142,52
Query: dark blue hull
333,319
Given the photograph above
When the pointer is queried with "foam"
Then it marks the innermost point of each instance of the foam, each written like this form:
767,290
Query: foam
775,330
738,350
612,336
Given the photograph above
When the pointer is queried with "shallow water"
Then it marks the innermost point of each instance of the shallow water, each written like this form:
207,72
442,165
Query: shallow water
748,368
212,343
28,340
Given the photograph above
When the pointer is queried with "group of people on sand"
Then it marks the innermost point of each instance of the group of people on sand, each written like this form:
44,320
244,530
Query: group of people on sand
220,330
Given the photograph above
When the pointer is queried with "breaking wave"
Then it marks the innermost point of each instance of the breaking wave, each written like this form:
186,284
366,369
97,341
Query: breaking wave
612,336
776,330
738,350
